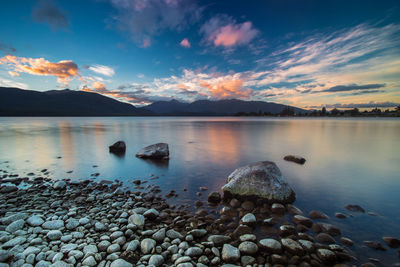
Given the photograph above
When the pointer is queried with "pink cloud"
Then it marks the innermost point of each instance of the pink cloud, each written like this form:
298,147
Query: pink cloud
224,31
225,89
13,73
185,43
146,42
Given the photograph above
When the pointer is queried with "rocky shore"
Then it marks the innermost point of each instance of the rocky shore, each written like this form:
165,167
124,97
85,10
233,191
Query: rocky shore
67,223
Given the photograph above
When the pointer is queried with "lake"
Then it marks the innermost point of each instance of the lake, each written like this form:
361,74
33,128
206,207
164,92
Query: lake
349,161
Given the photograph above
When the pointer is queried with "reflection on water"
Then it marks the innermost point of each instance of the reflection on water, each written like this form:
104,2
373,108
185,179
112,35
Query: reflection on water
348,160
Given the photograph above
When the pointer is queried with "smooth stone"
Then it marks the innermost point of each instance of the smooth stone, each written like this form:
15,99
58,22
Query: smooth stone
72,224
325,238
193,252
354,208
299,219
147,245
292,246
340,215
326,255
15,226
89,261
248,247
214,197
261,179
248,219
53,225
347,241
137,219
230,253
54,235
159,235
59,185
156,151
17,216
173,234
374,245
218,239
271,245
156,260
103,245
14,242
35,220
278,208
120,263
117,147
113,248
247,237
98,226
315,214
391,241
133,245
296,159
197,233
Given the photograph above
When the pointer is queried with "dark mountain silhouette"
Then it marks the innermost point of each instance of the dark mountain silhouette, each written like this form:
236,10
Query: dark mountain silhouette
219,107
19,102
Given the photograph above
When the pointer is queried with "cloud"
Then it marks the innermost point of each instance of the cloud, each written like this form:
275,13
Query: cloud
353,87
185,43
371,104
7,48
46,11
10,83
101,69
64,70
144,19
13,73
225,89
223,30
368,92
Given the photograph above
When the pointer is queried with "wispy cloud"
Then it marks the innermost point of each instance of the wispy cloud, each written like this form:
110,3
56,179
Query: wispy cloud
144,19
46,11
102,69
371,104
224,31
10,83
185,43
353,87
7,48
64,70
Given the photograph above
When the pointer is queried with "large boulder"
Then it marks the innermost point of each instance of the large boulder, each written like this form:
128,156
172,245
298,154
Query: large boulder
156,151
118,147
262,180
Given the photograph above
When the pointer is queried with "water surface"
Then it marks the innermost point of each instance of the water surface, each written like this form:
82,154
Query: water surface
354,161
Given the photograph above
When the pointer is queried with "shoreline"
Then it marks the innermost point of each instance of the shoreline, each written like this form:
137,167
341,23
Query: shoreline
99,224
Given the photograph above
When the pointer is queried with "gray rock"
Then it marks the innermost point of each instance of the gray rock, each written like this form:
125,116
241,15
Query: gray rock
120,263
197,233
262,179
60,185
295,159
54,235
248,247
14,242
113,248
84,220
15,226
103,245
43,263
218,239
61,264
193,252
35,220
8,188
271,245
156,260
326,255
90,249
98,226
214,197
307,245
292,246
151,214
72,224
17,216
53,225
4,255
230,253
174,234
248,219
89,261
137,219
159,235
156,151
118,147
147,245
133,245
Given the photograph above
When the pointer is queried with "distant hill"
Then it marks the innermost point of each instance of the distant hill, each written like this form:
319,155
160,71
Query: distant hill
19,102
219,107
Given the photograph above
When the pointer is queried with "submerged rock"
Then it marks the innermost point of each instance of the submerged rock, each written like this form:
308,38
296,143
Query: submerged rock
156,151
295,159
262,179
355,208
118,147
391,241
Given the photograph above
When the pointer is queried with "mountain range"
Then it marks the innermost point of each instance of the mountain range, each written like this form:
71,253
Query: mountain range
20,102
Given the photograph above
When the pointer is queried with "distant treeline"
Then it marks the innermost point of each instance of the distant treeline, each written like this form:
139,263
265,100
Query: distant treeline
355,112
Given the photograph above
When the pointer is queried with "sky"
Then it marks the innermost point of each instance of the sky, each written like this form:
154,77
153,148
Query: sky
305,53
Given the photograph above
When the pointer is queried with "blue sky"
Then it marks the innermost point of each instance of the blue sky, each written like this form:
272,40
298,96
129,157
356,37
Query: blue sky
304,53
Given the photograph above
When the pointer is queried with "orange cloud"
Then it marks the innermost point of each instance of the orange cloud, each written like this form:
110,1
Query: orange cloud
185,43
230,35
13,73
227,89
64,70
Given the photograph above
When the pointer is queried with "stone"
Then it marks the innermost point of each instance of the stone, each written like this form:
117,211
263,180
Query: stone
147,245
151,214
159,235
354,208
292,246
174,234
391,241
89,261
326,255
306,244
330,229
113,248
98,226
15,226
90,249
194,252
156,151
347,241
262,179
374,245
120,263
247,260
72,224
277,208
325,238
118,147
270,245
197,233
299,219
103,245
8,188
14,242
230,253
137,219
4,255
156,260
60,185
218,239
214,197
17,216
247,237
340,215
248,248
295,159
35,220
54,235
315,214
248,219
53,225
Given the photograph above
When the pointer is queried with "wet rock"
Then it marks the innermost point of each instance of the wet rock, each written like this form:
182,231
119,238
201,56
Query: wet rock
8,189
159,235
391,241
248,248
326,255
156,151
295,159
340,215
197,233
306,244
330,229
54,235
293,210
53,225
151,214
121,263
156,260
374,245
118,147
230,253
299,219
194,252
247,260
248,219
286,230
270,245
35,220
292,246
60,185
277,208
347,241
354,208
174,234
147,245
325,238
219,239
315,214
137,219
214,197
15,226
261,179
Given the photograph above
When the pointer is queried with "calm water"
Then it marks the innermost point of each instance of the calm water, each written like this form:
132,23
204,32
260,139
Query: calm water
349,161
